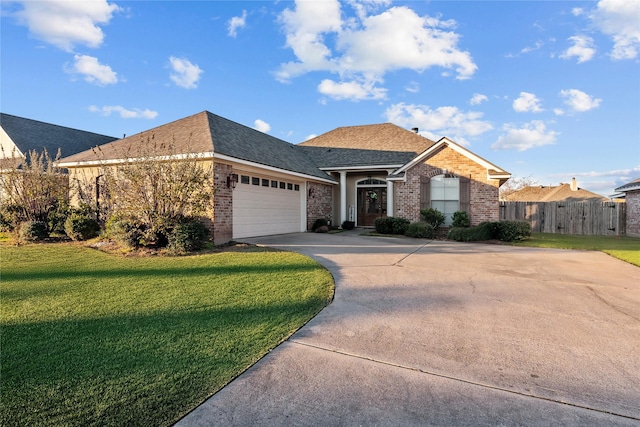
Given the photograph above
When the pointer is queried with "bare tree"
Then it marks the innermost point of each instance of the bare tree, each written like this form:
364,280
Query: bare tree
515,184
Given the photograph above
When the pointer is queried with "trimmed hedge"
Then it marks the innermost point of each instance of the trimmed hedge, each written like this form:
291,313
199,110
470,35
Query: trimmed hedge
320,222
81,227
391,225
348,225
187,236
460,219
126,231
506,231
421,230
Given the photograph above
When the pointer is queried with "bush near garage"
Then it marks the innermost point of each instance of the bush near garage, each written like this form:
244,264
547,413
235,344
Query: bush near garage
391,225
79,226
460,219
320,222
421,230
187,236
33,231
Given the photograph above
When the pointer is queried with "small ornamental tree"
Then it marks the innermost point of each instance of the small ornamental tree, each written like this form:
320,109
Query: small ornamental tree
157,186
32,189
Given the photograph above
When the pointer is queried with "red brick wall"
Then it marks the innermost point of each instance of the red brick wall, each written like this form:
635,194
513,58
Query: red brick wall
484,191
633,213
222,205
319,203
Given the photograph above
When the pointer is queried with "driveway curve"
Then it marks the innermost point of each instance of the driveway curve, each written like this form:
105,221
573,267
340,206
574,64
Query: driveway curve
445,333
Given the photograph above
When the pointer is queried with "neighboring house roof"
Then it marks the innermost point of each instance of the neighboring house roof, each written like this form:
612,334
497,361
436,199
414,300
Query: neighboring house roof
559,193
344,158
28,135
632,186
384,136
207,135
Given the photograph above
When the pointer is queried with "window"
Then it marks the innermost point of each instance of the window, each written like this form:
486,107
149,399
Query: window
255,181
445,196
296,187
289,186
283,185
244,179
274,184
265,182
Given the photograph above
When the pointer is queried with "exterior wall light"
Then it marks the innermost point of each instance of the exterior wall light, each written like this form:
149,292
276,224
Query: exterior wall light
232,180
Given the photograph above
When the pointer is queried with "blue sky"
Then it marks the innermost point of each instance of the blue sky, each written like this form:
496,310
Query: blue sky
548,90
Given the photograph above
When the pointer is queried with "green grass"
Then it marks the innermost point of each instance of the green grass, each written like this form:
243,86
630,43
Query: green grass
624,248
90,338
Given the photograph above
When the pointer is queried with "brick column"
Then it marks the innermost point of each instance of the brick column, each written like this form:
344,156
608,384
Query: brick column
222,205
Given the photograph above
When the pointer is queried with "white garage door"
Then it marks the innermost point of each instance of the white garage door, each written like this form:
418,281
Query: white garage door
264,206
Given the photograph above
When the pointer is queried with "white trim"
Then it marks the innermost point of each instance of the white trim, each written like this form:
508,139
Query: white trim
82,163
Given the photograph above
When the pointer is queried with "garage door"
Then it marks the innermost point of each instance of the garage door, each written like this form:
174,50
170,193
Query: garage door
265,205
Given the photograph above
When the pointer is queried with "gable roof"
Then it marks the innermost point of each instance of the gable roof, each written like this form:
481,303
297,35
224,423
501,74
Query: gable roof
29,135
562,192
209,136
632,186
493,171
384,136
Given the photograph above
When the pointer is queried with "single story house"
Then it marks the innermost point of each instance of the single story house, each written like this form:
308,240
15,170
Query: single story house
632,197
265,185
20,136
558,193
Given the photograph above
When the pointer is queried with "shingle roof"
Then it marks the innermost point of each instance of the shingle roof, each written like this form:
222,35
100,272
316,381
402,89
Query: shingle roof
633,185
29,135
329,157
206,132
558,193
384,136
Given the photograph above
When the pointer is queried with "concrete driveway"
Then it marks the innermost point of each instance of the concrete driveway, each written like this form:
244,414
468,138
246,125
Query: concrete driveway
444,333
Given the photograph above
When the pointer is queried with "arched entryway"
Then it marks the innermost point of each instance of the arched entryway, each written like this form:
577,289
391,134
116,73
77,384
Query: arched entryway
371,200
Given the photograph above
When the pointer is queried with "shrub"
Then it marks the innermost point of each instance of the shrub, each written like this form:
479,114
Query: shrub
420,230
127,231
320,222
187,236
483,231
31,231
391,225
509,231
460,219
81,227
433,217
348,225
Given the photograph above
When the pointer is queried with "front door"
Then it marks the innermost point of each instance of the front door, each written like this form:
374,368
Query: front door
372,204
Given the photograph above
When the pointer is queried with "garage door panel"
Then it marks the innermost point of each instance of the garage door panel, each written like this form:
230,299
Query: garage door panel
260,211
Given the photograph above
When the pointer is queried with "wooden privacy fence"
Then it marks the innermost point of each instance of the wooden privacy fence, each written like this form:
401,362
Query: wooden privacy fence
587,218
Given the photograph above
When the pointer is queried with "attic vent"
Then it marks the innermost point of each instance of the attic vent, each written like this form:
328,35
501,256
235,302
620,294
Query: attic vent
415,130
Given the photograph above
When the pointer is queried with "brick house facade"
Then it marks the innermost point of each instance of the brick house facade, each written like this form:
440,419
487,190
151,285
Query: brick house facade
632,199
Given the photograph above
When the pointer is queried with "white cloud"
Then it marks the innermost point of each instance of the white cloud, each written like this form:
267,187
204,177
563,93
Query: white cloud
443,121
136,113
184,73
528,49
530,135
527,102
620,19
579,101
262,126
64,23
582,49
93,71
478,98
237,22
577,11
354,91
365,48
558,111
413,87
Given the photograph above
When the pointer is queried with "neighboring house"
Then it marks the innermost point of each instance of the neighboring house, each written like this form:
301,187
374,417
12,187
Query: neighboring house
268,186
559,193
632,197
20,136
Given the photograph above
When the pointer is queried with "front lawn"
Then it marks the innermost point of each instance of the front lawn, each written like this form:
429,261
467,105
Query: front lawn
90,338
624,248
